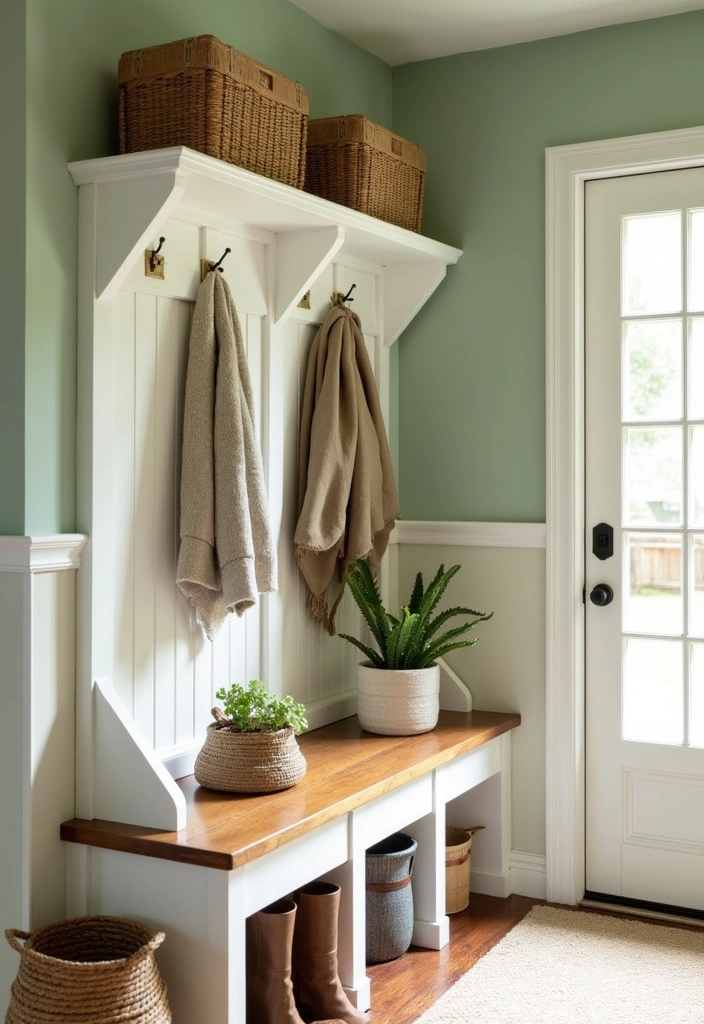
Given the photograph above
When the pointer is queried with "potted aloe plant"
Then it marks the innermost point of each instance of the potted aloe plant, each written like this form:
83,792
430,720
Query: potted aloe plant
251,746
398,686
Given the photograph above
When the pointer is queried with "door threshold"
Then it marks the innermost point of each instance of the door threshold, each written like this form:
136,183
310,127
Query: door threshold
650,913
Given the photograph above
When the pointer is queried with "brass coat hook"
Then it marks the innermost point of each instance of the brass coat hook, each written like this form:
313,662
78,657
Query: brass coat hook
154,262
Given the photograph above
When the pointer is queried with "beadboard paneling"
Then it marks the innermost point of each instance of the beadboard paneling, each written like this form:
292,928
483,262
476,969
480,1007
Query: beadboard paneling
165,669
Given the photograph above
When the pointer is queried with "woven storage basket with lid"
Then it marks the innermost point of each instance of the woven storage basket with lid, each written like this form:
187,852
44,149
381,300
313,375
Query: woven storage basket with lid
100,970
202,93
354,162
249,762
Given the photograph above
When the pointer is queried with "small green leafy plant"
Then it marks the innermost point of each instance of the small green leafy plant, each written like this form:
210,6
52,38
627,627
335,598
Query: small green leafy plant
414,639
252,708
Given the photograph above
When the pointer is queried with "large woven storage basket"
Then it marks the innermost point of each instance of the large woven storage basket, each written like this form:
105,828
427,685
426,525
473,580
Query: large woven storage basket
354,162
249,762
204,94
100,970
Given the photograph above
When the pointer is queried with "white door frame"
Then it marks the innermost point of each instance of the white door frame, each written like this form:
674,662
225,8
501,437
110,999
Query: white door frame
567,169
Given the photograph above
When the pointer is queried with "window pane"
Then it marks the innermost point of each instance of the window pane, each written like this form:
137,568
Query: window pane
696,695
696,261
653,584
653,698
652,486
696,585
652,264
695,374
652,370
696,476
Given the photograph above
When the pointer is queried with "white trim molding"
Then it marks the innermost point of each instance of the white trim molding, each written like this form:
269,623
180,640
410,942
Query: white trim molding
567,170
527,871
41,554
474,535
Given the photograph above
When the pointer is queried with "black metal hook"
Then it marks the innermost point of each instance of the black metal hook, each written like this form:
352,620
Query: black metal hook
346,298
216,266
153,262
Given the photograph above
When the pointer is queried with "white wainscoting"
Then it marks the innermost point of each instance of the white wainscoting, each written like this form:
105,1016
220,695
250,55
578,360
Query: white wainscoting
503,570
37,679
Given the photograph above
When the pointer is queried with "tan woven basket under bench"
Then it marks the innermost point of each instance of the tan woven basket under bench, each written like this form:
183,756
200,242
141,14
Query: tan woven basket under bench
357,163
204,94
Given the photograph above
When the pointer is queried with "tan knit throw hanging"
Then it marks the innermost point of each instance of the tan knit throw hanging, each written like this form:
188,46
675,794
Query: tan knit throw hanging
347,498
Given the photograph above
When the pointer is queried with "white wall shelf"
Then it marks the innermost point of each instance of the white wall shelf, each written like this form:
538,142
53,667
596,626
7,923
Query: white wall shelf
136,193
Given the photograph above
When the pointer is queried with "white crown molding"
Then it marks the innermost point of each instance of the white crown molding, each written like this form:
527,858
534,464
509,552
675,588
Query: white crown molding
473,535
41,554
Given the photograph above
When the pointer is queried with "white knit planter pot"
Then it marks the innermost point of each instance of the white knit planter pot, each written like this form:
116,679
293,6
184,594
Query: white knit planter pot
398,702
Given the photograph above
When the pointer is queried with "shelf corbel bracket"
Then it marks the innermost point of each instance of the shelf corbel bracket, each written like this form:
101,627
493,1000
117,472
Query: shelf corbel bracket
127,216
301,256
130,784
408,286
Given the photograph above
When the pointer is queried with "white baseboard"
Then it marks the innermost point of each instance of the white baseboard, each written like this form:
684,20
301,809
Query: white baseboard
528,876
490,883
525,877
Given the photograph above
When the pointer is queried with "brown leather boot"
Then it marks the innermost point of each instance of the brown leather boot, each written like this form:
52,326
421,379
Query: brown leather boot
269,988
319,991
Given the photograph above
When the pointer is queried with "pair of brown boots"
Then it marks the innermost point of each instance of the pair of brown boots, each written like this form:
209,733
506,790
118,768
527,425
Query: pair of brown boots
292,961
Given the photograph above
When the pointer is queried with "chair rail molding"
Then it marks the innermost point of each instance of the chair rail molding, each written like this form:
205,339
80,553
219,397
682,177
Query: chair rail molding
468,534
567,168
41,554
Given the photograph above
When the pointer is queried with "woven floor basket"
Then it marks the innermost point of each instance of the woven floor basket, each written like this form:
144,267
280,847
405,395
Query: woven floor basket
458,843
88,970
249,762
354,162
203,94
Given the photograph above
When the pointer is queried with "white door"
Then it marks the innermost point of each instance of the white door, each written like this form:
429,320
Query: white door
644,309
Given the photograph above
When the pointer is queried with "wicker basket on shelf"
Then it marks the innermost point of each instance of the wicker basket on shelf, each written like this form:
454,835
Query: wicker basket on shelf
354,162
98,969
204,94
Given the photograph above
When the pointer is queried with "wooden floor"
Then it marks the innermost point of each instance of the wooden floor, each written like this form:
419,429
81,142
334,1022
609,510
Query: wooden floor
405,988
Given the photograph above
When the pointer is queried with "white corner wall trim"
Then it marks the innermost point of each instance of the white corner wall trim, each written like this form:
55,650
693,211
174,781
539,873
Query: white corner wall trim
41,554
473,535
527,871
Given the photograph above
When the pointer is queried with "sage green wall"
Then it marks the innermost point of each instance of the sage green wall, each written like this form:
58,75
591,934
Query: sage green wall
13,74
73,49
472,364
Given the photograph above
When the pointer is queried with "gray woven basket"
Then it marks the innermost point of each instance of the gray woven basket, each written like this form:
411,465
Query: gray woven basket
95,969
389,898
249,762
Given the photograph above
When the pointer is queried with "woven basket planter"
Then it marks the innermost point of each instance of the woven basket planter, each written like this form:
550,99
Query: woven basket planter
249,762
203,94
96,970
354,162
398,702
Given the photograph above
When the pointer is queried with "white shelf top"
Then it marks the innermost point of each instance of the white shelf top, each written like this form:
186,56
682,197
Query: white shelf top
243,196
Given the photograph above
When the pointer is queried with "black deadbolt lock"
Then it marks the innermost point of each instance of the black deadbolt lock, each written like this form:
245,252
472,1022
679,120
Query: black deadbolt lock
603,540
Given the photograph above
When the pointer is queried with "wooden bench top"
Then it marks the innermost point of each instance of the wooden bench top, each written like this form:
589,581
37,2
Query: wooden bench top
347,767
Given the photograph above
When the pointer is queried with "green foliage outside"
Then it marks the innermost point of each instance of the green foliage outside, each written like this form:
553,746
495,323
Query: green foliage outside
253,709
415,639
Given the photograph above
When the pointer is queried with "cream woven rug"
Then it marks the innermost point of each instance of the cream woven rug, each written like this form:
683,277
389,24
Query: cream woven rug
564,967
